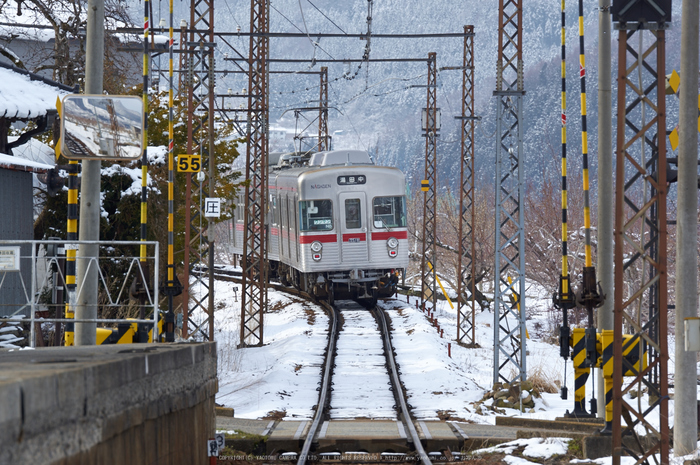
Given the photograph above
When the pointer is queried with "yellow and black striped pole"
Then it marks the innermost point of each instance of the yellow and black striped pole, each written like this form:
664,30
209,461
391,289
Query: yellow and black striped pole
172,285
581,373
607,337
71,235
72,248
590,297
142,283
564,300
144,158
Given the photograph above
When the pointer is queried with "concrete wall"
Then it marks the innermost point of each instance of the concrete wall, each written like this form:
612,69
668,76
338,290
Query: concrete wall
125,404
16,222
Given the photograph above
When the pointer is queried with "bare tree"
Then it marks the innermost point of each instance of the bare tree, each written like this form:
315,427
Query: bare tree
64,55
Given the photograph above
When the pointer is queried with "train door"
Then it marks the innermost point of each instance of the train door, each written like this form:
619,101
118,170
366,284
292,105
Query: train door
296,225
354,248
289,229
283,223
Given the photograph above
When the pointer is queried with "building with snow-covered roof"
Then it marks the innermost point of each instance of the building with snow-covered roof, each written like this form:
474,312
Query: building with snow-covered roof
24,97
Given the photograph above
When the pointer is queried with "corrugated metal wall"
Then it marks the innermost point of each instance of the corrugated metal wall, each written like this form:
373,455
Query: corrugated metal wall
17,223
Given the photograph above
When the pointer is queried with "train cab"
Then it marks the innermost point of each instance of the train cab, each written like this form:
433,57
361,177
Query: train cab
351,227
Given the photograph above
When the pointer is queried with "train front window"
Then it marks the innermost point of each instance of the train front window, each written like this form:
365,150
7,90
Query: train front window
353,217
316,215
390,212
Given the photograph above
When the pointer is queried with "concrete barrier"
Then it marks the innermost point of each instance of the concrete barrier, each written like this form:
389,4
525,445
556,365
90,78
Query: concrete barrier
132,403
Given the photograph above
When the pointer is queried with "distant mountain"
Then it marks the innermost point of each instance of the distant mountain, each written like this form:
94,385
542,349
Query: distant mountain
376,108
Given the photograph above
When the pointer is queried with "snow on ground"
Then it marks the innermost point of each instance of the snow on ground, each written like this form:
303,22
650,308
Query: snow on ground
361,386
281,378
283,375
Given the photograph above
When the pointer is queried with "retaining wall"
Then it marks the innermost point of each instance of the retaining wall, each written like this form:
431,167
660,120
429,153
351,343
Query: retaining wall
121,404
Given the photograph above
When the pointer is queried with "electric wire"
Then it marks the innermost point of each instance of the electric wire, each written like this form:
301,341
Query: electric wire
298,29
329,19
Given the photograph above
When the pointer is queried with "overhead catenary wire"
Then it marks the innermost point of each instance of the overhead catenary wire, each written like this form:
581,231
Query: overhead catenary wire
325,16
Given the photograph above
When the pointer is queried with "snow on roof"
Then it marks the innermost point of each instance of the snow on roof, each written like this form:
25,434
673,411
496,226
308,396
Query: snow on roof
21,164
25,95
34,151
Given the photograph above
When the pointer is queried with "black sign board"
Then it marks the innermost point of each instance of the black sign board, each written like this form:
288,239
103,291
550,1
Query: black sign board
640,11
352,180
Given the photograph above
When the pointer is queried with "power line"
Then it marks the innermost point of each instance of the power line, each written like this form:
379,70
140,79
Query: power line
329,19
303,34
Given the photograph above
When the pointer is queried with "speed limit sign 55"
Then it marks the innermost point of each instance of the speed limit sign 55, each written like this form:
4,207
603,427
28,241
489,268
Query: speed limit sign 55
189,163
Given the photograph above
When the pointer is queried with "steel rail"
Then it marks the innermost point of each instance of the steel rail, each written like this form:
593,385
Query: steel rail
325,384
396,382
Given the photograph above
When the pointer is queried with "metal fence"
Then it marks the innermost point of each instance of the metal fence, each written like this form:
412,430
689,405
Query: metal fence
116,271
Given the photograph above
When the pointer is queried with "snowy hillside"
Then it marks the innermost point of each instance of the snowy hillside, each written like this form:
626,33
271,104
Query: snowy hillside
379,111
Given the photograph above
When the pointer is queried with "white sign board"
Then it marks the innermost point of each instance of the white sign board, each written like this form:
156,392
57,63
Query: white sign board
212,448
212,207
9,258
220,440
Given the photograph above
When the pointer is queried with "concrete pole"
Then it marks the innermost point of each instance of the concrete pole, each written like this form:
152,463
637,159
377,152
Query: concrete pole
89,228
685,431
606,196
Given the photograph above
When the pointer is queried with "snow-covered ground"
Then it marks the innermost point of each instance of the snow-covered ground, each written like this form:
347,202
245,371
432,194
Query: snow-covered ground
281,378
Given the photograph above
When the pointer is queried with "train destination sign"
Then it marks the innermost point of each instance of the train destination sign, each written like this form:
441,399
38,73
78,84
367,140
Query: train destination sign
351,180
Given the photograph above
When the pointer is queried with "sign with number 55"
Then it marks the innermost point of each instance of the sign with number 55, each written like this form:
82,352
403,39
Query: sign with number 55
189,163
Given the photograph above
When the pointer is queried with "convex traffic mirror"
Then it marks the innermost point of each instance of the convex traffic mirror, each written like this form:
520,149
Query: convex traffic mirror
104,127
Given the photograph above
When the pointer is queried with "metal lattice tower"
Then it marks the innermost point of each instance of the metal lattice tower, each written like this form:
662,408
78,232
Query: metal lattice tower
323,142
509,283
428,260
466,330
641,290
254,282
199,251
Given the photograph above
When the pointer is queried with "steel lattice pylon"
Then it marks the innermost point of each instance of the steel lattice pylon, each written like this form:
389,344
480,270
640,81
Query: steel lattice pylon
641,292
323,143
428,260
509,283
199,251
254,282
466,330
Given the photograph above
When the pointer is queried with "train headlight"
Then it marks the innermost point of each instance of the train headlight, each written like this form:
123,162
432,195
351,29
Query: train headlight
316,246
393,244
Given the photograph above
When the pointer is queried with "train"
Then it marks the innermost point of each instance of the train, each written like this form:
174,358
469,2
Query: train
336,224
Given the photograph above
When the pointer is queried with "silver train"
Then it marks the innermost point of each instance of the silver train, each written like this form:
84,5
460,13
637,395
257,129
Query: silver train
336,224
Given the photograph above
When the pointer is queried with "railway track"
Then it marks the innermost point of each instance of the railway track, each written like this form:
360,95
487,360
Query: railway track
342,372
335,365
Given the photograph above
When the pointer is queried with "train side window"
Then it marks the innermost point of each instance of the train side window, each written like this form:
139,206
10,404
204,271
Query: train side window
389,212
316,215
353,216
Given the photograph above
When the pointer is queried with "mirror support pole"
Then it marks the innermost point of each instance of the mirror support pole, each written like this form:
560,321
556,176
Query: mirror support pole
89,228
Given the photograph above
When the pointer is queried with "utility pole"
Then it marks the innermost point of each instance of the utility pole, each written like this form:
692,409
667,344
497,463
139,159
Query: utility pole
685,431
605,181
89,228
640,336
323,142
466,329
199,243
254,278
430,126
509,270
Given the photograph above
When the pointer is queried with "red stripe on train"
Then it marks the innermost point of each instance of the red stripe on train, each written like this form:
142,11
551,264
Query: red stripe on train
378,236
318,237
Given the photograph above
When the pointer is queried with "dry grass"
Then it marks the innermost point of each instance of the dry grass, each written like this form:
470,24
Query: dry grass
542,381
